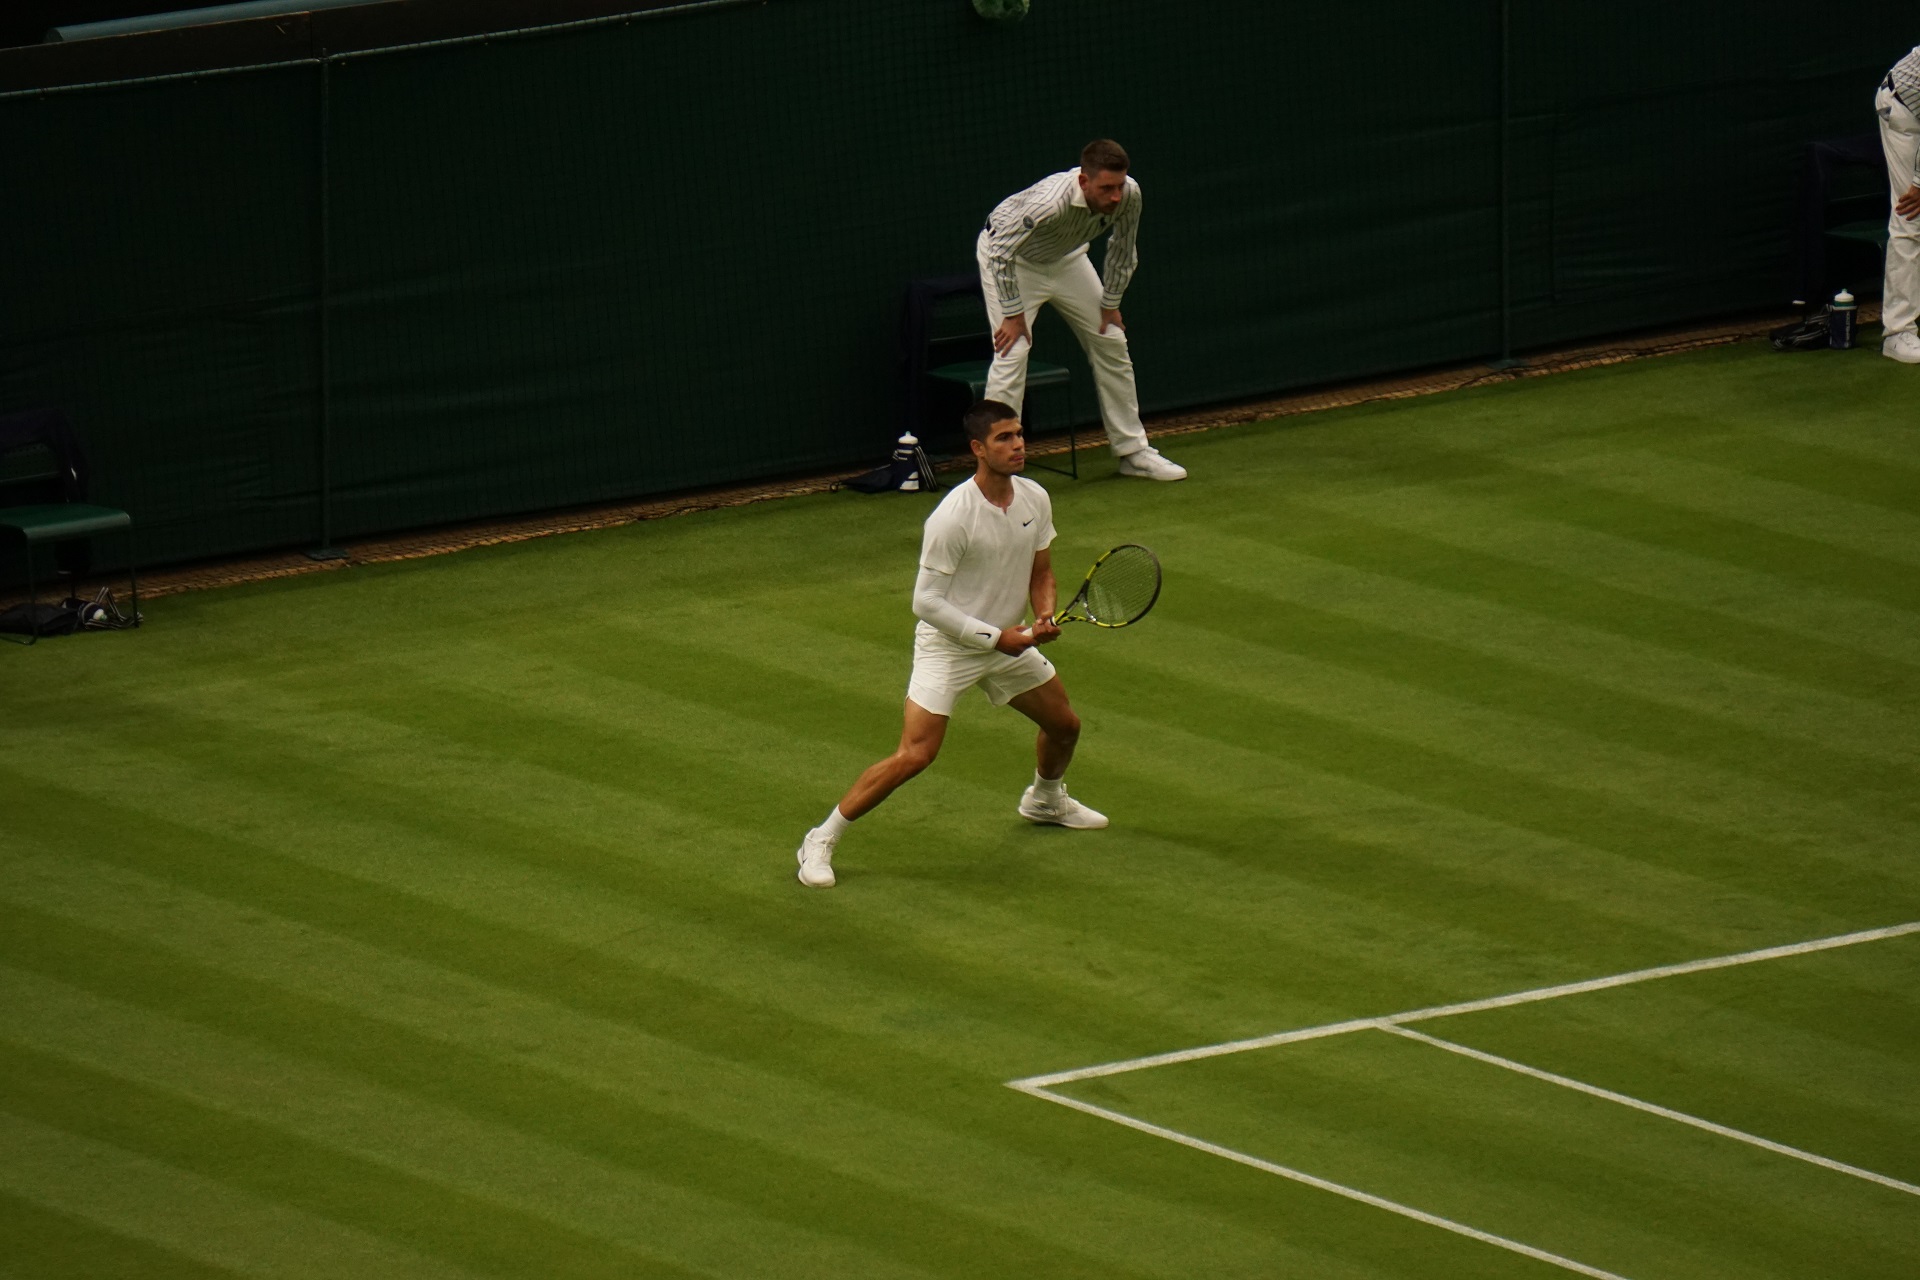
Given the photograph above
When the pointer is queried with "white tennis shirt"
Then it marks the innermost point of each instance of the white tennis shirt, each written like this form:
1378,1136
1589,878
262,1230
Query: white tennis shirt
976,562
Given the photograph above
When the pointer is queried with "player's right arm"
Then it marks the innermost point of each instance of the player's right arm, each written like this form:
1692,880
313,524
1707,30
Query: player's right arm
931,606
940,552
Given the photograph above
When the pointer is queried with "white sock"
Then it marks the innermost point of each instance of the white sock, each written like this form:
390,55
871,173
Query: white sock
835,826
1051,788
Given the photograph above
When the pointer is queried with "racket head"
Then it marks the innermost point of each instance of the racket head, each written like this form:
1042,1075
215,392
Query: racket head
1119,590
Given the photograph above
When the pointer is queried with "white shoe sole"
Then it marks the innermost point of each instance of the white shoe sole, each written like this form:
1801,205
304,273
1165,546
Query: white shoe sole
1139,474
1044,819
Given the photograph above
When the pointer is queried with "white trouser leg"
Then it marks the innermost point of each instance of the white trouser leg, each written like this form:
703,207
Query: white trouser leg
1900,139
1073,286
1076,293
1007,376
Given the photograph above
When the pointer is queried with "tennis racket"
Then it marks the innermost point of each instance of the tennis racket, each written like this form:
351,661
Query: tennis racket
1120,588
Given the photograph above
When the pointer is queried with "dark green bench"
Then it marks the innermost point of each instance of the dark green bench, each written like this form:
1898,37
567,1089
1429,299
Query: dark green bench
37,524
1873,233
972,374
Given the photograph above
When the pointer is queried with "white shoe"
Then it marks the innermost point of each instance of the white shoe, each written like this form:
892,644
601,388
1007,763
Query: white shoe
1064,811
816,861
1904,347
1148,464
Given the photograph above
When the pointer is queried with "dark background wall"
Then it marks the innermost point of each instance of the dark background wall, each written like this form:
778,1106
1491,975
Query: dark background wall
613,261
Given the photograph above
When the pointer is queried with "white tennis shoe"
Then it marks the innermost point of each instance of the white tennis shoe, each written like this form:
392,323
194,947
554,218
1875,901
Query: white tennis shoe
1904,347
816,861
1148,464
1062,811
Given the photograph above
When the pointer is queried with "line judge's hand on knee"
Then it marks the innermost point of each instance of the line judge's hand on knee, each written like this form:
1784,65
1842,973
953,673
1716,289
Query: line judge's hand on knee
1011,330
1110,318
1909,204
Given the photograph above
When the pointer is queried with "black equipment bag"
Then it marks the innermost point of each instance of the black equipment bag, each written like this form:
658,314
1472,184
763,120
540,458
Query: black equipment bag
1807,334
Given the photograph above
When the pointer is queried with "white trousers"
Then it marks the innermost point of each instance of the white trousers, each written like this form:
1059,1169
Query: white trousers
1073,287
1900,139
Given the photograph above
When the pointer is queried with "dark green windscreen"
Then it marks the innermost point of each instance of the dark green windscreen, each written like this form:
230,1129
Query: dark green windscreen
607,262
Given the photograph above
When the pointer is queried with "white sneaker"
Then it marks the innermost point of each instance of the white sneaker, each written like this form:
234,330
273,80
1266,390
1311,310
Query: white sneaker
1148,464
1064,811
1904,347
816,861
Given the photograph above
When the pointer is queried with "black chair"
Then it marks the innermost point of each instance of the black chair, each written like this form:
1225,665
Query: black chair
1843,209
936,360
63,517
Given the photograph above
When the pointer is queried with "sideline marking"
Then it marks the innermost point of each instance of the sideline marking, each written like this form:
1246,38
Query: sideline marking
1351,1193
1666,1113
1470,1006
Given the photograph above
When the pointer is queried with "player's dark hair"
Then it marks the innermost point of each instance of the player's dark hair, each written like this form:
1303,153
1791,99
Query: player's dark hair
980,419
1103,154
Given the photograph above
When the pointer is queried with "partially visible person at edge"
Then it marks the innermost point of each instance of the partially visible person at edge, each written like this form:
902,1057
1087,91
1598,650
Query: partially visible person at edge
1898,106
1033,251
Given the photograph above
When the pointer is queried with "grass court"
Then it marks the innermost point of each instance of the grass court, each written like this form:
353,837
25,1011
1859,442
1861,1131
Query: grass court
438,919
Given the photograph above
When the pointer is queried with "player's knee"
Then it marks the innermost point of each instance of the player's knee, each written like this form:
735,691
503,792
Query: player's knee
1065,730
915,757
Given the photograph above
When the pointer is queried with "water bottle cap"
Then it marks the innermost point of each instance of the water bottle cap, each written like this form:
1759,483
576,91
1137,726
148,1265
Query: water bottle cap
1843,298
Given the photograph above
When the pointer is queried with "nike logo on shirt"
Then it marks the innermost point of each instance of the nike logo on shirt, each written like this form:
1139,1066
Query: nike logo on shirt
1025,523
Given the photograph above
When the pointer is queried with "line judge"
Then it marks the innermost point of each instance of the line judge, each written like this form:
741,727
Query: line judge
1033,251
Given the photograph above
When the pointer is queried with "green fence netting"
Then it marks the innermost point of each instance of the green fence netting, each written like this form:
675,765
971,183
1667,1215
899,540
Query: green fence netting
452,281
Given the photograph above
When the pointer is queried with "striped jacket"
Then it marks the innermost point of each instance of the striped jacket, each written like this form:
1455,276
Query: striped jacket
1906,81
1050,220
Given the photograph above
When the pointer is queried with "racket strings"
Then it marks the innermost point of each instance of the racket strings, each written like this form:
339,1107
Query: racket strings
1123,586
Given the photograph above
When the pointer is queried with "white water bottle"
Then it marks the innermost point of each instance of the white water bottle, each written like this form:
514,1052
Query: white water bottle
906,465
1840,323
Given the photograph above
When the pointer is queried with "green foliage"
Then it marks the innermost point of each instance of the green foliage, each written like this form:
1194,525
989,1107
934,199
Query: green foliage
1001,10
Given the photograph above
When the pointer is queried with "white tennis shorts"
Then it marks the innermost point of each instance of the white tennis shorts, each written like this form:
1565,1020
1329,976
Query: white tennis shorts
942,671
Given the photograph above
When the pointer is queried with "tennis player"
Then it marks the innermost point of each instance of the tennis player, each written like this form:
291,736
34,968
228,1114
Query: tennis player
984,559
1033,251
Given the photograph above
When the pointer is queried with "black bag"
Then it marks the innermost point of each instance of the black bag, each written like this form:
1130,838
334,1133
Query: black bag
1806,334
42,619
67,617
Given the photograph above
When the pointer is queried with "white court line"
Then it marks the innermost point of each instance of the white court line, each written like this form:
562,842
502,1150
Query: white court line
1567,1082
1470,1006
1267,1166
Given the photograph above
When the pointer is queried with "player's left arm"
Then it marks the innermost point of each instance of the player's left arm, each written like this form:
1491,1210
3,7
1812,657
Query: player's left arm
1043,595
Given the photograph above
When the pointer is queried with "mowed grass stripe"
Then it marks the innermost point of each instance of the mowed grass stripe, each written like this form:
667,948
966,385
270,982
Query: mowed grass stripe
269,1162
1746,621
745,1134
970,927
558,890
1890,482
488,1195
1721,652
1635,488
182,1212
1559,804
42,1242
1140,1227
1454,719
1561,690
1793,530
